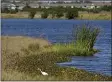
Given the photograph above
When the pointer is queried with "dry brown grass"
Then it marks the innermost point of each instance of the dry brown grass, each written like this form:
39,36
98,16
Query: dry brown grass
95,16
15,43
17,15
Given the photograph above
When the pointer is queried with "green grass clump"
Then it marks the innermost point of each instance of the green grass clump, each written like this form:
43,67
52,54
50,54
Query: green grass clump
64,49
85,37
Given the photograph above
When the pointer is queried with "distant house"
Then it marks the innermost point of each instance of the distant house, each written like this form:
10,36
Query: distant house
9,6
12,6
33,5
20,7
54,3
78,5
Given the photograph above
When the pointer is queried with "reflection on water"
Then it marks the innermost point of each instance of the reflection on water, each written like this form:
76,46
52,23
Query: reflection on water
61,31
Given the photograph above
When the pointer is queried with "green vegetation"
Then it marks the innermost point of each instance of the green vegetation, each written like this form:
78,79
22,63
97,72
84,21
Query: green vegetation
95,10
71,15
82,15
54,11
59,14
106,8
11,11
6,10
64,10
53,14
44,15
85,37
32,14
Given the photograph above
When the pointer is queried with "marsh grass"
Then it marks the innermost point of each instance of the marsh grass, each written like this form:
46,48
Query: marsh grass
85,37
45,58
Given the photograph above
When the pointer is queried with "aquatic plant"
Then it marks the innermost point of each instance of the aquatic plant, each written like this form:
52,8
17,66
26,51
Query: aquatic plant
85,37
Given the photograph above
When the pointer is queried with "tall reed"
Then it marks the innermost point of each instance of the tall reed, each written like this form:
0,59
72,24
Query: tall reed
85,37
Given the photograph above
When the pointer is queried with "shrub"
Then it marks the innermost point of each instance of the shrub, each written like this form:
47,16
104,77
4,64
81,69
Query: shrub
13,11
95,10
32,14
59,14
85,37
71,14
106,8
16,10
44,15
5,10
53,14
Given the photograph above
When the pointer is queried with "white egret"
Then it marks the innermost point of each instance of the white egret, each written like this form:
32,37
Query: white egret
43,73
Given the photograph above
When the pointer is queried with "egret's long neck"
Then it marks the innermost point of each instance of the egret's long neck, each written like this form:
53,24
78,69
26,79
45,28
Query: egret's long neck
40,70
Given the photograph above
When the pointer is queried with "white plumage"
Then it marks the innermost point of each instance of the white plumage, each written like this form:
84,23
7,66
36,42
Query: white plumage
43,73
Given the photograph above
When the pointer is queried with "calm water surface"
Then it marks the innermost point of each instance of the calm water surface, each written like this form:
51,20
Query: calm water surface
60,31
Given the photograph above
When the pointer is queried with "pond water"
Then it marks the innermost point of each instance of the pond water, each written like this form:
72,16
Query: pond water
61,31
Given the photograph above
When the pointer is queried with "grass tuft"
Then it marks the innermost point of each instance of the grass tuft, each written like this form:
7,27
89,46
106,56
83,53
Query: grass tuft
85,37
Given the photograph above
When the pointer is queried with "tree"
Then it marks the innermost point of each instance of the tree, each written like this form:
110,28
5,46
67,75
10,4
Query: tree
32,14
106,8
5,10
71,14
59,14
96,10
16,10
44,15
53,14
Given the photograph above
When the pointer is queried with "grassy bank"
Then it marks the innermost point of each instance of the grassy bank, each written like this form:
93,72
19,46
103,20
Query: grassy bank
82,15
22,56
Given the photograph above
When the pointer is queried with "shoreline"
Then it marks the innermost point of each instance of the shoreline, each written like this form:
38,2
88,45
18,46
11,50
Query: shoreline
17,44
82,16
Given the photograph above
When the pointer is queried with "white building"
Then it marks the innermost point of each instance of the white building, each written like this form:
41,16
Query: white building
12,6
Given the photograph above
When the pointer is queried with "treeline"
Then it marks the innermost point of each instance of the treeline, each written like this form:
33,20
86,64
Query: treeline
57,12
11,11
